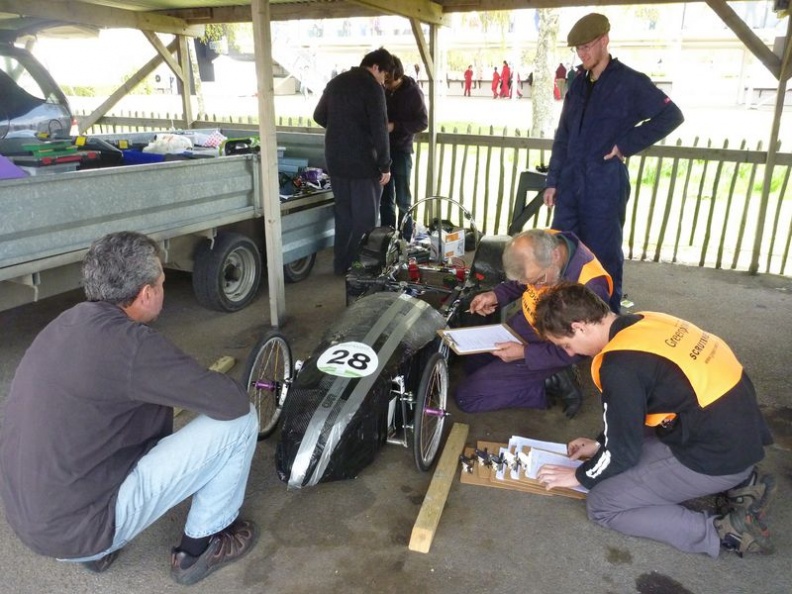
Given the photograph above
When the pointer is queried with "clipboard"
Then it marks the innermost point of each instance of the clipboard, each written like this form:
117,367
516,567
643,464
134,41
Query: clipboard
478,339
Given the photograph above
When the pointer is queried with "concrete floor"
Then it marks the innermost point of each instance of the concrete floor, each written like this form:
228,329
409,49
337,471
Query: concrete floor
351,537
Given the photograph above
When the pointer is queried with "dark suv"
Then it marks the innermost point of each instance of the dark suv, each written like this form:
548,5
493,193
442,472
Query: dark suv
31,103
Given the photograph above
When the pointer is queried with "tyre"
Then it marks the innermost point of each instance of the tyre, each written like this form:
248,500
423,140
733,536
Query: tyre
430,411
296,271
227,277
268,373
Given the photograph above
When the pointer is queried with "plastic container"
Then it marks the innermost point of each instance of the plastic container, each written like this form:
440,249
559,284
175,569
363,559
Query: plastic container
138,157
287,165
50,169
413,272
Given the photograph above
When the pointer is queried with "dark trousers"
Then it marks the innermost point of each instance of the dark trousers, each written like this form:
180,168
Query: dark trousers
397,193
492,384
356,212
595,212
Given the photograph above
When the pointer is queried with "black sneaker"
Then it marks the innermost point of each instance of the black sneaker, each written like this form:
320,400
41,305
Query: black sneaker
101,565
227,546
563,386
742,533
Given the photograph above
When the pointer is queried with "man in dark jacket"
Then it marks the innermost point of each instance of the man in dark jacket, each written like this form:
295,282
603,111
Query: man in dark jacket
609,114
352,110
88,454
406,117
680,422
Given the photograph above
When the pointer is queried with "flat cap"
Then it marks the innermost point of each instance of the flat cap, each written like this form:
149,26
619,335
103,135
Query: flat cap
588,29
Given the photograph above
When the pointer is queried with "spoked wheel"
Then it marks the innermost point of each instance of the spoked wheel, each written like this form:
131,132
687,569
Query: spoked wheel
267,375
430,411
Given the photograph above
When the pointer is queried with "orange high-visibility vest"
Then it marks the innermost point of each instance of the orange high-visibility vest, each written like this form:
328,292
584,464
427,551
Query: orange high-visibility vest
707,362
589,271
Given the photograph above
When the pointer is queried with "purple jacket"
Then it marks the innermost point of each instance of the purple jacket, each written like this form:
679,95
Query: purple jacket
540,354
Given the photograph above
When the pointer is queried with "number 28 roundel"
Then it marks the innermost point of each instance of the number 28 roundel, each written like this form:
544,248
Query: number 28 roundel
348,359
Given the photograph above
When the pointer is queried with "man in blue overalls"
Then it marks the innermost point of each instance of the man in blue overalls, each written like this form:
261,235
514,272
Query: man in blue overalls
609,114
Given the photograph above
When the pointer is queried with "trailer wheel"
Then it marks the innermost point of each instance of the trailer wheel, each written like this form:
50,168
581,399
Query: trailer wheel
227,277
297,271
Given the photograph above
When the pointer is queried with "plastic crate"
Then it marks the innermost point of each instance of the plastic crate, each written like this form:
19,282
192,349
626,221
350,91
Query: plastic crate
291,165
137,157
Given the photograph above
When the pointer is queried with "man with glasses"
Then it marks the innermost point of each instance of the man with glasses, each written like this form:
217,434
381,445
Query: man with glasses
523,375
609,114
352,110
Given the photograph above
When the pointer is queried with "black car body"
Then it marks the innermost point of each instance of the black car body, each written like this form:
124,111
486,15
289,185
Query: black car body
31,103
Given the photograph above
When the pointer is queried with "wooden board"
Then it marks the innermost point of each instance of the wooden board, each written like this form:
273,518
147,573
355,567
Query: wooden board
429,517
484,476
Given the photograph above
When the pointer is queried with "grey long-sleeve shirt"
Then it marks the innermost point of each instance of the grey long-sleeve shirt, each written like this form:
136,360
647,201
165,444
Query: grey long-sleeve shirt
91,396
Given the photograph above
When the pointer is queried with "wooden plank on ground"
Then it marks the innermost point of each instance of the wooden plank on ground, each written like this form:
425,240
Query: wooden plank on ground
434,502
222,365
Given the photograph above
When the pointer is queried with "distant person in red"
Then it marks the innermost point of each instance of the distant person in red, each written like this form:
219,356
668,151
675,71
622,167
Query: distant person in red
468,80
505,80
495,83
561,80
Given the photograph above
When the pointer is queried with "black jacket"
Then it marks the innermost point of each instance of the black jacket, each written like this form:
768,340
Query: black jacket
725,437
352,110
407,111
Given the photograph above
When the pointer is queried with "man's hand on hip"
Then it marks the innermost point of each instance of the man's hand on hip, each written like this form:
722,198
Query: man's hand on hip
615,152
549,197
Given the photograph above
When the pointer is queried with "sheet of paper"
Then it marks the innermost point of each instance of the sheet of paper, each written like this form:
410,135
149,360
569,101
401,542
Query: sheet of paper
538,458
478,339
551,446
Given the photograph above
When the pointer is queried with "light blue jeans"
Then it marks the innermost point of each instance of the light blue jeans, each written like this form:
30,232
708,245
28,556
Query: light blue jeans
206,459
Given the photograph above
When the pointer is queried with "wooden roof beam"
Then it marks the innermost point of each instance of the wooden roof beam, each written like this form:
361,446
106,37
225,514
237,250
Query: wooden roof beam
748,37
69,11
278,12
450,6
425,11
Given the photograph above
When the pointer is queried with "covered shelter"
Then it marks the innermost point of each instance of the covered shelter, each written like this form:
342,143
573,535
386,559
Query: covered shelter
187,18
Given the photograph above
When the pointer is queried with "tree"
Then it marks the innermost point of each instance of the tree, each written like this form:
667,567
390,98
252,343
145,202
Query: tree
543,118
496,18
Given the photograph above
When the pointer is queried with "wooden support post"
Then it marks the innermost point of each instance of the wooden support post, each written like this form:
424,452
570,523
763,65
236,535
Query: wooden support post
434,502
222,365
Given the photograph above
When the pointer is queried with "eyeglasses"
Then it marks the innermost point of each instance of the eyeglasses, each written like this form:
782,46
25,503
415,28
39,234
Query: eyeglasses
587,47
539,281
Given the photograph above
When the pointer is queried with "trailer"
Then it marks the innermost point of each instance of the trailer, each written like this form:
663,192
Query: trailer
205,213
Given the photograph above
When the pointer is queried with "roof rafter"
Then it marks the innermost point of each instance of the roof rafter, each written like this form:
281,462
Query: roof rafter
69,11
425,11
